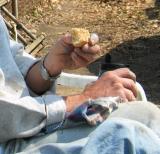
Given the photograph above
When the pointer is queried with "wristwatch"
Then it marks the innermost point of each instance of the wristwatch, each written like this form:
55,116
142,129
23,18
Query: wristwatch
45,74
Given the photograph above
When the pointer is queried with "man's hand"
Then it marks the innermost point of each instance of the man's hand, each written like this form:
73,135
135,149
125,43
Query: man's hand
120,82
64,55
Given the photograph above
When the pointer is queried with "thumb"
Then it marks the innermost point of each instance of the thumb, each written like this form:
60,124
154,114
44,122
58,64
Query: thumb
65,43
67,38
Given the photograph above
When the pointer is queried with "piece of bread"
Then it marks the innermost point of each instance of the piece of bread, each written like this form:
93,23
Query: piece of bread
80,36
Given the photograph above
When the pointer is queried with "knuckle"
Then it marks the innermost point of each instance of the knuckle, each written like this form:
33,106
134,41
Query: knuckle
131,84
118,85
127,70
121,94
85,48
131,97
96,48
109,75
133,87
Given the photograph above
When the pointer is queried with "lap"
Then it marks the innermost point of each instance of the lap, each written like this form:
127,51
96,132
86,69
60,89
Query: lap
75,138
118,135
122,136
72,137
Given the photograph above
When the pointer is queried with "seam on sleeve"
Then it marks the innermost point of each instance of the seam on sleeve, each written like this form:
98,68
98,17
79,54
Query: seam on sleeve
45,105
55,108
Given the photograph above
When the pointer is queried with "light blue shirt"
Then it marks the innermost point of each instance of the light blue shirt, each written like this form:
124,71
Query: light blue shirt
20,114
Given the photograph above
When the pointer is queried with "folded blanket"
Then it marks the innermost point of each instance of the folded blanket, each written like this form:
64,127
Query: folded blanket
95,111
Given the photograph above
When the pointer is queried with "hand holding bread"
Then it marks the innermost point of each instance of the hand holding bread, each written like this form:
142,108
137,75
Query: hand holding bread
73,50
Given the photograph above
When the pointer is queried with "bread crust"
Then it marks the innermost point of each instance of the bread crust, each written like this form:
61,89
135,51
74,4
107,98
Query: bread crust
80,36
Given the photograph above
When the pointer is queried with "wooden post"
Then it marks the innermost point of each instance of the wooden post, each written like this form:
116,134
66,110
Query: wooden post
15,8
3,2
17,22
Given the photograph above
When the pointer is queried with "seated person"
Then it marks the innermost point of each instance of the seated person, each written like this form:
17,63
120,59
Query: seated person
25,119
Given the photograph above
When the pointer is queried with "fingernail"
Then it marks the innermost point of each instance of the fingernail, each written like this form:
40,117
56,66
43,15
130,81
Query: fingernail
68,34
94,38
68,38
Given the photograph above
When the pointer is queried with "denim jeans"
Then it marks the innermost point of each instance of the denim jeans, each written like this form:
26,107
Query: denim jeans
114,136
122,136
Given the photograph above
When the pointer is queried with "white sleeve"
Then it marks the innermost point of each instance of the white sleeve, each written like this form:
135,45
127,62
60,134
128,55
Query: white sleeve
23,60
25,117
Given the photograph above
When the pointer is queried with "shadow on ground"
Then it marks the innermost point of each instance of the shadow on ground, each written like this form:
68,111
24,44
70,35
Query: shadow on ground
143,57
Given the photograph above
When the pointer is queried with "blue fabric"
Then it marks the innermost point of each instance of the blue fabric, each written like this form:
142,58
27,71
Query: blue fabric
122,136
95,111
114,136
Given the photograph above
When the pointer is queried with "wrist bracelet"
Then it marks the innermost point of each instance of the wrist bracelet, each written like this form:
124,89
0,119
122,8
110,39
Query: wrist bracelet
45,74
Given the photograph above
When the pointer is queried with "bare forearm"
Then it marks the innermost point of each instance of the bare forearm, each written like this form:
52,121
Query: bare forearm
34,77
74,101
35,81
39,86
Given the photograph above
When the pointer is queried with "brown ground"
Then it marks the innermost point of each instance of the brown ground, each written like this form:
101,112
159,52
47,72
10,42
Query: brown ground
129,30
